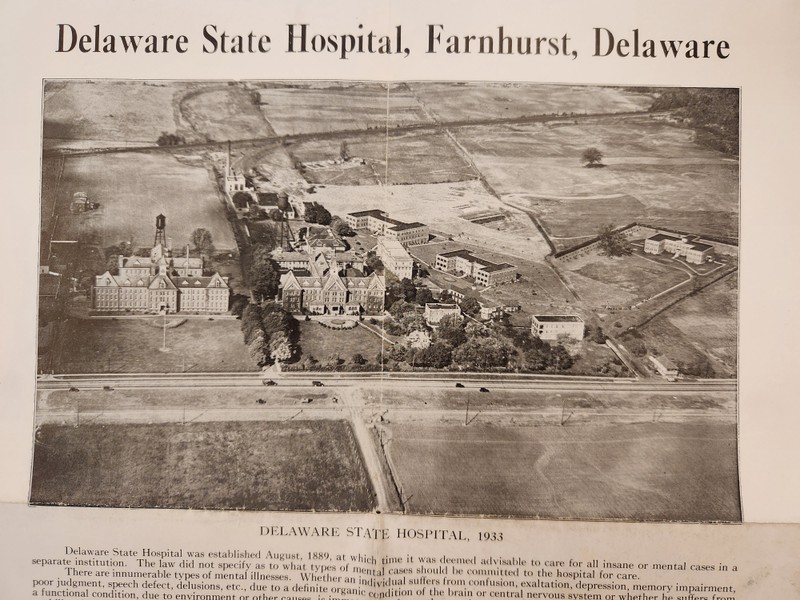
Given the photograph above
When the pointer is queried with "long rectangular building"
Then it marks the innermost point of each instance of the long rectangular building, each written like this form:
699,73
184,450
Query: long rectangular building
395,258
550,327
379,223
485,272
687,246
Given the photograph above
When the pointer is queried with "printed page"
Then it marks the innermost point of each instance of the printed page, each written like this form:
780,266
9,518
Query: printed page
463,274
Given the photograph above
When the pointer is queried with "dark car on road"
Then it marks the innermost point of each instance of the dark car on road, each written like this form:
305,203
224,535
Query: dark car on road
317,383
269,382
486,390
459,385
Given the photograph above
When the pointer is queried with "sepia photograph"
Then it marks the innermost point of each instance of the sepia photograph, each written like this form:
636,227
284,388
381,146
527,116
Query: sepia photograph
469,298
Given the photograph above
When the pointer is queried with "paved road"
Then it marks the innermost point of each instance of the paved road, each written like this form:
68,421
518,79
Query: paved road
384,380
354,407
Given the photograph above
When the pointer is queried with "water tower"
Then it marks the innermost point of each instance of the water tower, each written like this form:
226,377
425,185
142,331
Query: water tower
286,235
161,231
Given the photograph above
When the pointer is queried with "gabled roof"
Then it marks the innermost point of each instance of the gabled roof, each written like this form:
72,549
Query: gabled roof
158,280
334,281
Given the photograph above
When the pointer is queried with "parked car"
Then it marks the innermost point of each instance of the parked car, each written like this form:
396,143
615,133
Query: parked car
459,385
317,383
261,401
72,388
484,390
107,388
269,382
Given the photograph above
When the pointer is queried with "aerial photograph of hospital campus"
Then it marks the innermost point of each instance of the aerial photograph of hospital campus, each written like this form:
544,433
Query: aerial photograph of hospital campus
447,298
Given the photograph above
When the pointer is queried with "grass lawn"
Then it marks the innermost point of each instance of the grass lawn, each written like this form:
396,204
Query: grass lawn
702,325
132,346
321,342
414,157
646,471
622,280
132,189
80,113
654,171
485,100
297,465
310,106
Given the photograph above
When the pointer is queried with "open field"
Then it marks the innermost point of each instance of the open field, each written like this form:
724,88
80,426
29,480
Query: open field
297,465
132,189
224,112
414,157
86,113
647,471
443,207
486,100
305,107
654,171
322,343
702,325
621,280
132,346
503,394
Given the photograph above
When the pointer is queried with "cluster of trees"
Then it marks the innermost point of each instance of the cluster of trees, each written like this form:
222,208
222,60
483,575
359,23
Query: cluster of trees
170,139
613,242
270,333
713,112
316,213
469,345
264,274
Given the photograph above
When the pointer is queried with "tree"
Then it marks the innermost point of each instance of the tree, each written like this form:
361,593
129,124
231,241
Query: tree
276,214
358,359
374,263
424,296
411,321
592,157
560,359
470,306
316,213
438,355
400,308
241,200
445,297
256,349
280,349
264,275
251,322
612,241
482,353
451,331
408,289
340,227
202,241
